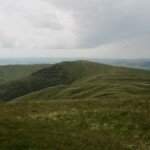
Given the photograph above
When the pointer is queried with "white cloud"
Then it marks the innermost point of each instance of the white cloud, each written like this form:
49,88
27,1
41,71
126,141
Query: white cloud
36,24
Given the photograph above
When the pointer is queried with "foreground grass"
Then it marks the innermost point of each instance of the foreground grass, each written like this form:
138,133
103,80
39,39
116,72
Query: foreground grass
87,124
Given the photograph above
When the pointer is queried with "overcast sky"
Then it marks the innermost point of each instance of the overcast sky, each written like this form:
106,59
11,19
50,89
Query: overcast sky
72,28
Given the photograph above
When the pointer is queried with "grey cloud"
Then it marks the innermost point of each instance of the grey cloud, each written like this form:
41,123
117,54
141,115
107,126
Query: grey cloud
47,22
106,21
130,48
5,42
49,25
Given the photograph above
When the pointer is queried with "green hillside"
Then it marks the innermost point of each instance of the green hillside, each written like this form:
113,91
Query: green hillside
79,80
59,74
100,89
13,72
77,105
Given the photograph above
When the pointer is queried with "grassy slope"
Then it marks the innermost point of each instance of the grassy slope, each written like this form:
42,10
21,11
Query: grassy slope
120,124
106,82
13,72
59,74
80,80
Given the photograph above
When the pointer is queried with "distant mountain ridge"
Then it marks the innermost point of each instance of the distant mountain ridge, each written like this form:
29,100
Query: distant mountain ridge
143,63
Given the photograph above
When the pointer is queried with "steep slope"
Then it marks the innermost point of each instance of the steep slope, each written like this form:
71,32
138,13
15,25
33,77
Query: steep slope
79,80
13,72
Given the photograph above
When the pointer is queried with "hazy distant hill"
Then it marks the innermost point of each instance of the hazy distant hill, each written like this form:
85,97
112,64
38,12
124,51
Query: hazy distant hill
135,63
12,72
25,61
79,80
